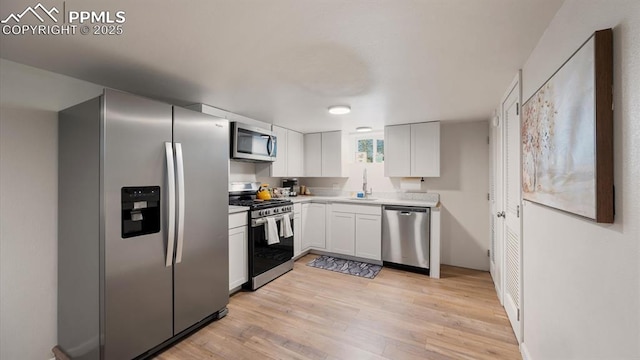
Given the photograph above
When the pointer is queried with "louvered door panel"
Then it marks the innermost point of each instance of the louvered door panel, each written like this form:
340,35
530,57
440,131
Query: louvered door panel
513,267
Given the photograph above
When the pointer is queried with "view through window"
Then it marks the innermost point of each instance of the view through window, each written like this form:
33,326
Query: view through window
370,150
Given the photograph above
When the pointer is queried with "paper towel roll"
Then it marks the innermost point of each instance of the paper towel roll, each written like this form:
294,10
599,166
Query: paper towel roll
410,184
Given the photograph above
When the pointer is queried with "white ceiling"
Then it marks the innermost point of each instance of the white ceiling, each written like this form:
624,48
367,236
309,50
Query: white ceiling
286,61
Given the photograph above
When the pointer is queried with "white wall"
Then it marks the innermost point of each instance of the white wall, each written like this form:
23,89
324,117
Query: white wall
463,186
582,279
240,171
29,101
28,232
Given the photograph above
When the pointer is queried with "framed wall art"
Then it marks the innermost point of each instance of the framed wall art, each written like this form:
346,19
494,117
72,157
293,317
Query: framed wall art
567,135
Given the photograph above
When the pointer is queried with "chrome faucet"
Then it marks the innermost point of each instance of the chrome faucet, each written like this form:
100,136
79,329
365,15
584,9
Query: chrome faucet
364,184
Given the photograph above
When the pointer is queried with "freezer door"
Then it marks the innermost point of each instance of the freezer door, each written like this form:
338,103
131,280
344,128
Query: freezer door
201,270
137,288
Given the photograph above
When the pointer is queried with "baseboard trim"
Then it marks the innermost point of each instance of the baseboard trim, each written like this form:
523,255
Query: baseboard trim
525,352
301,254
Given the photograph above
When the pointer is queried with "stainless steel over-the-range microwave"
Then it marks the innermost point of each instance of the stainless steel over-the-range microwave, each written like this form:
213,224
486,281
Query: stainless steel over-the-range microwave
252,143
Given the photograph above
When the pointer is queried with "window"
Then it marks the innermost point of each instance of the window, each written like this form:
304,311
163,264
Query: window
366,152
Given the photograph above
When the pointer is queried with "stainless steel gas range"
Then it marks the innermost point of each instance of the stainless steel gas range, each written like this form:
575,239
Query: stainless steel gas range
270,239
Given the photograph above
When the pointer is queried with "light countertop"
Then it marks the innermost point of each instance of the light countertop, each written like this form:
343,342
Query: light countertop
338,199
372,201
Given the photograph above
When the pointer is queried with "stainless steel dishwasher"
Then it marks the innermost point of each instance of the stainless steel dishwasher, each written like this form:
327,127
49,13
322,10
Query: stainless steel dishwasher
405,236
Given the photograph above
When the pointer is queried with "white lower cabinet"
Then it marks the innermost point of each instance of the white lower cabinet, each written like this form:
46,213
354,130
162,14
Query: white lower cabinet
343,232
340,228
238,250
297,229
356,230
369,236
313,226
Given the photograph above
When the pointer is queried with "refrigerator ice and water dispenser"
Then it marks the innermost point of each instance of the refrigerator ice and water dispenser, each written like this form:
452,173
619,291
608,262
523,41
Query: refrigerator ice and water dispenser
140,210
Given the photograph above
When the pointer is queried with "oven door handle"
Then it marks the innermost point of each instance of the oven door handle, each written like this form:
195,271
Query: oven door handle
260,221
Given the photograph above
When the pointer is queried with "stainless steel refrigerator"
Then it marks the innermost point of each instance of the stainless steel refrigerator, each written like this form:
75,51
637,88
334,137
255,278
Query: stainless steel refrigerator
143,225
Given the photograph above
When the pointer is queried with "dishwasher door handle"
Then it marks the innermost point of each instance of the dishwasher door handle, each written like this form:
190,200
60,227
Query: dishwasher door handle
405,213
405,209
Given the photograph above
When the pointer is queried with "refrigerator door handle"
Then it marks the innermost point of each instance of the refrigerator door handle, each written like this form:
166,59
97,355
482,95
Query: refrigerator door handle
171,207
181,200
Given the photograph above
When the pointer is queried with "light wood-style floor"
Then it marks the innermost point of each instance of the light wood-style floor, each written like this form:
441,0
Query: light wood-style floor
312,313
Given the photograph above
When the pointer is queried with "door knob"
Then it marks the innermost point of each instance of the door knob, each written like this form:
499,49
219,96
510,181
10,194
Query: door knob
500,214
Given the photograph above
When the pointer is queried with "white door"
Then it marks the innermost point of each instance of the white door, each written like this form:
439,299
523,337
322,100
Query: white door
238,262
397,150
313,154
313,225
369,236
425,149
496,204
305,239
295,153
511,211
343,233
332,154
279,167
297,234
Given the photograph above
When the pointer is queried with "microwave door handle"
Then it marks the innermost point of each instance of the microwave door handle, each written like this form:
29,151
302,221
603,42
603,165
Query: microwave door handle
271,145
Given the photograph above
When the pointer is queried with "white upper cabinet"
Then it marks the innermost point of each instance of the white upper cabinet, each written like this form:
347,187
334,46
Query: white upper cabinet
313,154
332,154
279,167
397,150
207,109
412,150
425,149
325,154
289,158
243,119
295,153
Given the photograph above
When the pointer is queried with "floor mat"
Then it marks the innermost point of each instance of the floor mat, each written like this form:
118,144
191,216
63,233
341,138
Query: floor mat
350,267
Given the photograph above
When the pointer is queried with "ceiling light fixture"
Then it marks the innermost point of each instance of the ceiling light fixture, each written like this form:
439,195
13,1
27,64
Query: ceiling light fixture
339,109
363,129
